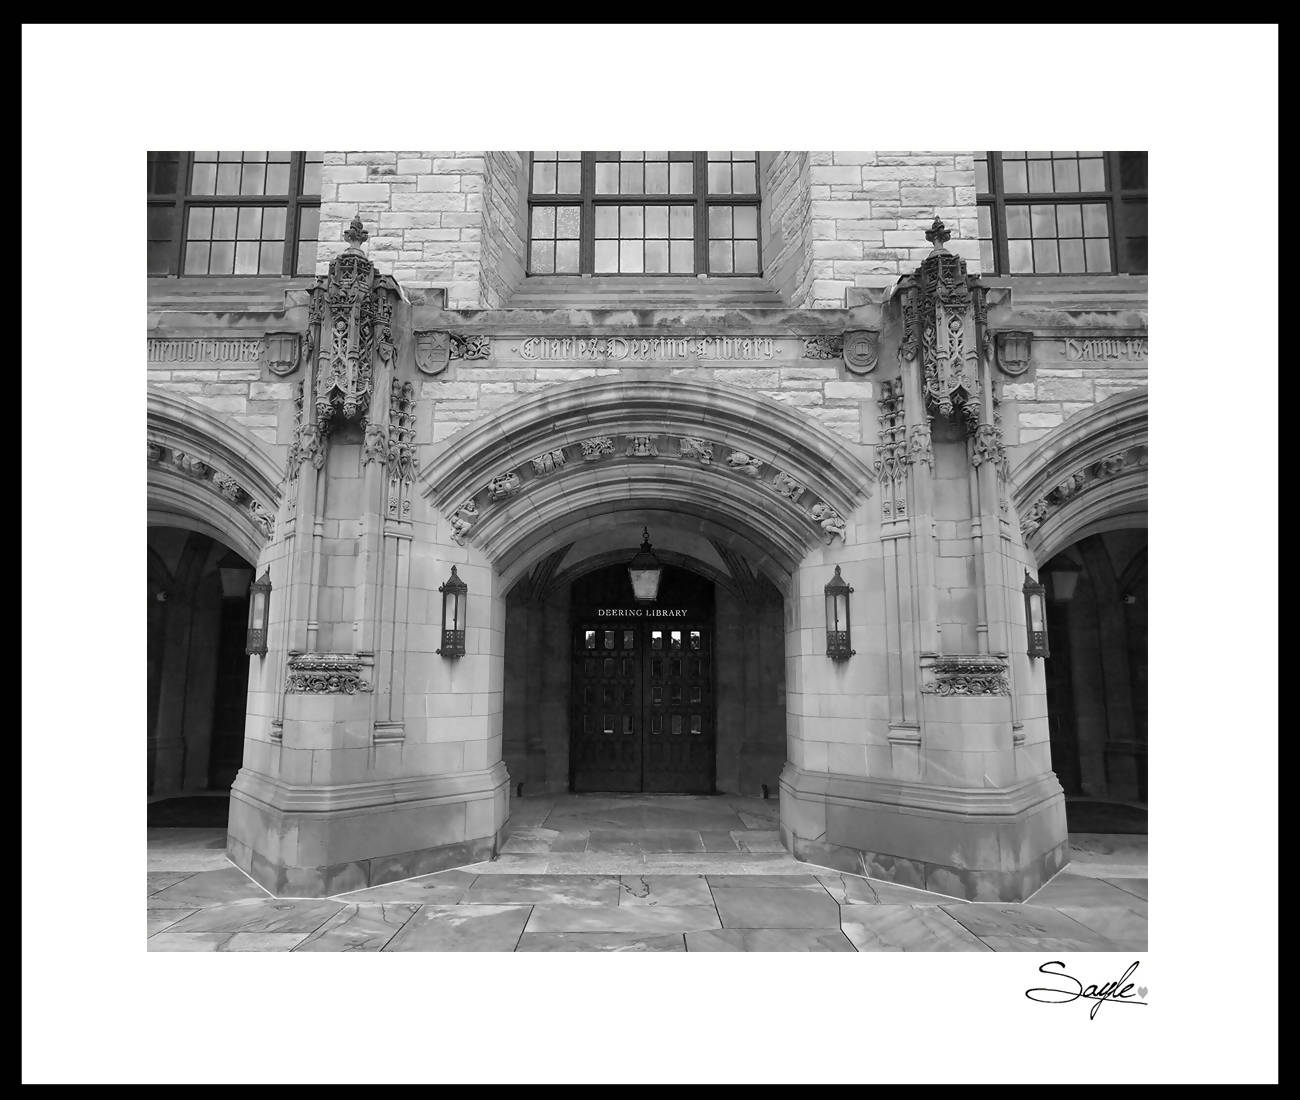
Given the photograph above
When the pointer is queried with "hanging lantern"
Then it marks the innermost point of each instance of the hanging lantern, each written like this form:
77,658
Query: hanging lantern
645,571
1036,616
454,591
259,614
839,641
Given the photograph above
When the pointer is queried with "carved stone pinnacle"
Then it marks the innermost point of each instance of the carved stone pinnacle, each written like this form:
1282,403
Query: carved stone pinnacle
355,234
937,235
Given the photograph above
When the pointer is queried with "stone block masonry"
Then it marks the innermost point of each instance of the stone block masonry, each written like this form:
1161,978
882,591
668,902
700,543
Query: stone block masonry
868,213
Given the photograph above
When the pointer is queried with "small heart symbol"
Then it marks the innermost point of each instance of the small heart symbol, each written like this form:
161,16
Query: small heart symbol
1142,992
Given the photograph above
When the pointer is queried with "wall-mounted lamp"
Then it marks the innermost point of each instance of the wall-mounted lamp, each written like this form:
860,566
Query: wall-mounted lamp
1063,575
839,642
645,571
1036,616
236,575
259,614
453,591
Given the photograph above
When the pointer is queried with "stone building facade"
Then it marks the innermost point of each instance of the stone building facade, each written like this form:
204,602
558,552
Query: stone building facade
889,397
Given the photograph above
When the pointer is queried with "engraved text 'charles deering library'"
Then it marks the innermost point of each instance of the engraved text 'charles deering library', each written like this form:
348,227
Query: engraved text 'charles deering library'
658,348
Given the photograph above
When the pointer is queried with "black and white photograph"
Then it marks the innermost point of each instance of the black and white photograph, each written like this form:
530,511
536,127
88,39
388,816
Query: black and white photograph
592,553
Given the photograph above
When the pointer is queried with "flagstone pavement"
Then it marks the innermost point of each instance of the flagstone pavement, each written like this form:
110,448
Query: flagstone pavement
641,873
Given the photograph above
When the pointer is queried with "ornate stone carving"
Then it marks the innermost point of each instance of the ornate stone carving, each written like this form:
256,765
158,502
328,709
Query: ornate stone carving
226,485
987,446
375,447
823,347
642,446
548,461
829,520
939,316
307,444
352,307
189,465
462,520
745,463
919,448
401,447
264,519
861,350
967,676
470,347
891,450
325,674
786,486
503,486
1080,481
1013,349
155,453
597,447
432,351
697,448
280,352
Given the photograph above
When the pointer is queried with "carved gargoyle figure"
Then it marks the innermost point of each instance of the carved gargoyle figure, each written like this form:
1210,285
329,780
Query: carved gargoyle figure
829,520
745,463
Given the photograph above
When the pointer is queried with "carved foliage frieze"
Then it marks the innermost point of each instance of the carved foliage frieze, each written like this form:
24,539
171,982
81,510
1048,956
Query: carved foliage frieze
219,481
597,447
326,674
697,448
823,347
400,439
978,675
470,347
1080,481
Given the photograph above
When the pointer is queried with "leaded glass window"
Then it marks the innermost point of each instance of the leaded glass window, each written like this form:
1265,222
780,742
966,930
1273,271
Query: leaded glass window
644,213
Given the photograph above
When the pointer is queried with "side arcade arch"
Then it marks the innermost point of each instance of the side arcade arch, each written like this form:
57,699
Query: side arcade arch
1087,477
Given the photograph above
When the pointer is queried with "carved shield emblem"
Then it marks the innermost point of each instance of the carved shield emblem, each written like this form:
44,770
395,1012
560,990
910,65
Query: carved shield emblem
432,351
860,351
280,352
1014,351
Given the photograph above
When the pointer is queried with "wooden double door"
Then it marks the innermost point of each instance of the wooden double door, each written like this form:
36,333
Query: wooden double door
642,706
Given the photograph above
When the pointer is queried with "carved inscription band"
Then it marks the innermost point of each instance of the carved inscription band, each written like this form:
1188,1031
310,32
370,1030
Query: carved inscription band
619,348
213,350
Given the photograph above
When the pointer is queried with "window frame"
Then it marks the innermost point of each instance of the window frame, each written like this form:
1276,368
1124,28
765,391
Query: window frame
184,200
1114,197
587,200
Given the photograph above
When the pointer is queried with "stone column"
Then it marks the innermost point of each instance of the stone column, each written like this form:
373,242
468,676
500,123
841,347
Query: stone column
356,770
959,799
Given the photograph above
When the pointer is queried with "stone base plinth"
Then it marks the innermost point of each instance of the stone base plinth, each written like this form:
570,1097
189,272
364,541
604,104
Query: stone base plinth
983,844
314,842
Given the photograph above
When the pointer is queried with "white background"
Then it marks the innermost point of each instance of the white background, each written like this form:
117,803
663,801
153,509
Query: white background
98,1008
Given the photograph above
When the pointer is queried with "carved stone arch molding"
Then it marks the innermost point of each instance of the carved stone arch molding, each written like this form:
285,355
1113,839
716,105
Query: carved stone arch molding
1088,476
207,474
740,467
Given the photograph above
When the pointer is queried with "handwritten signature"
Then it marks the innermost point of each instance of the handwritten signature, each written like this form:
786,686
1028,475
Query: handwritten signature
1121,991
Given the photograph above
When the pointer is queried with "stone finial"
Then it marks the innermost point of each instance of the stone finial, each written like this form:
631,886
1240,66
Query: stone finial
937,235
355,234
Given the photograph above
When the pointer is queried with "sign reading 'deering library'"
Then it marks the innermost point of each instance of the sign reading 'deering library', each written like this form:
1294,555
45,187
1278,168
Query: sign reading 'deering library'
641,612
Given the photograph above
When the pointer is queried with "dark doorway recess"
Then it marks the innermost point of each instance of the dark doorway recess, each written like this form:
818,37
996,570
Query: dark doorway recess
642,715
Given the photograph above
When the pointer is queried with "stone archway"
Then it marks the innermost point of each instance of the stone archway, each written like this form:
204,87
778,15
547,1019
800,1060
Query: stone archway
1088,476
212,499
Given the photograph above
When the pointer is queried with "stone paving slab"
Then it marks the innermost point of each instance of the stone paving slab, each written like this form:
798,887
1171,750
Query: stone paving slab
260,915
359,928
1003,923
664,890
440,888
462,928
877,927
599,941
208,888
642,919
584,890
1134,886
797,907
769,939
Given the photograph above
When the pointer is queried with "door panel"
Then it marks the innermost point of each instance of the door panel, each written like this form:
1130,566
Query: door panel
642,707
605,752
